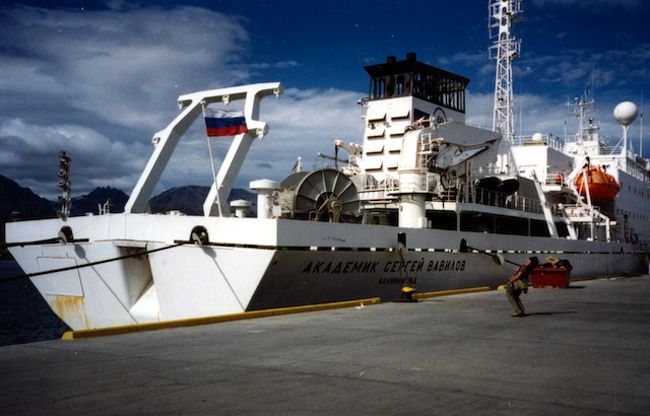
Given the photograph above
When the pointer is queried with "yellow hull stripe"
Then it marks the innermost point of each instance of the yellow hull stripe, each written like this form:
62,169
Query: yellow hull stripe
424,295
152,326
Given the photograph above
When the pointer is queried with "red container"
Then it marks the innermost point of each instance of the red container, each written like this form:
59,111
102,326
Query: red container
550,276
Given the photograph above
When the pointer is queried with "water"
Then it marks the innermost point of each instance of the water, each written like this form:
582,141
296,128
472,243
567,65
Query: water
24,315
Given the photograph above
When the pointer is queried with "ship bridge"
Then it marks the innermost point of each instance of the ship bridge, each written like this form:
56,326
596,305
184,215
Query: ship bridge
401,93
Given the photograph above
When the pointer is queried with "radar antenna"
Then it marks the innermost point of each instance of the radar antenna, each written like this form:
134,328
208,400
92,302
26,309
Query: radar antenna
503,14
625,113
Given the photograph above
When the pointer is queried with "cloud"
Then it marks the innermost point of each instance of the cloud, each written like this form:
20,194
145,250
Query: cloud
30,153
304,123
104,81
98,84
535,113
467,59
274,65
582,69
120,65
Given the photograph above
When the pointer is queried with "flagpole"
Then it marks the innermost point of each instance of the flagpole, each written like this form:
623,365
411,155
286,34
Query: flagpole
214,172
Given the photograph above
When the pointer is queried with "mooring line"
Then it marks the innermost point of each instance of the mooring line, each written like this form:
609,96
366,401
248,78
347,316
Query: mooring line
94,263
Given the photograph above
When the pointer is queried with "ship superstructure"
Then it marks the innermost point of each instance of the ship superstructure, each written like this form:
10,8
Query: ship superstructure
402,93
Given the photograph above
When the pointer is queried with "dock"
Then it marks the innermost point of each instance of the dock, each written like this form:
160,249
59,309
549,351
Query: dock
580,351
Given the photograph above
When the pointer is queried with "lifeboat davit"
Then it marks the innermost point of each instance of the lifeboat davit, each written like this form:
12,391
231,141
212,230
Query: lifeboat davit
602,186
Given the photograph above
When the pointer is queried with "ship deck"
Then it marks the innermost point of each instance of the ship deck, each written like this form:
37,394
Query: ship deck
581,351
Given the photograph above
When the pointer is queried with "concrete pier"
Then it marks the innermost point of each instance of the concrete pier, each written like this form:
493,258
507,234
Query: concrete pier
581,351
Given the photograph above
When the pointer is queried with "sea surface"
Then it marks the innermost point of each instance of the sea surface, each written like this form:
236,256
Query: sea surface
24,314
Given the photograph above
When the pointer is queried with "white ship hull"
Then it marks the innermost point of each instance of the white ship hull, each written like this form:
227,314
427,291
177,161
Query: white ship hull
257,264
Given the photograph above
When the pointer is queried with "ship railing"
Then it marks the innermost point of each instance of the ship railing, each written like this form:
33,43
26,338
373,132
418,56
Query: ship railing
487,170
583,211
601,225
488,197
390,187
575,138
533,139
580,211
499,199
391,184
384,191
609,150
604,148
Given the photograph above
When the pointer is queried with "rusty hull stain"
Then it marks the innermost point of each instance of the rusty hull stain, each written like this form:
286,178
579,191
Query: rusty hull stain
70,309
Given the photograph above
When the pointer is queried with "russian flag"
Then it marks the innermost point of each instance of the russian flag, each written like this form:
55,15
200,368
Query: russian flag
224,123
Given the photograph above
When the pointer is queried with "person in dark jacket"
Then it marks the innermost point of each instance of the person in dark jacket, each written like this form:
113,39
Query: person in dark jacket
518,283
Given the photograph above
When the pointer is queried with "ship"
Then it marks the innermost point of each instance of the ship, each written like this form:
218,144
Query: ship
425,202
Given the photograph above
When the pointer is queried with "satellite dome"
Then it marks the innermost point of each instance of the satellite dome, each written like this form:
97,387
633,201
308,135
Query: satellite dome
626,112
538,137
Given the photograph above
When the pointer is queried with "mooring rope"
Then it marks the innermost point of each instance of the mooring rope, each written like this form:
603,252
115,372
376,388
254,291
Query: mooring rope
31,243
93,263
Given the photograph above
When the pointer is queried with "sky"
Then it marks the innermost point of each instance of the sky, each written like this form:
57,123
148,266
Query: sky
98,78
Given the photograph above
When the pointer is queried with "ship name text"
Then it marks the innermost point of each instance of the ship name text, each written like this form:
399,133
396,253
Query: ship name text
412,266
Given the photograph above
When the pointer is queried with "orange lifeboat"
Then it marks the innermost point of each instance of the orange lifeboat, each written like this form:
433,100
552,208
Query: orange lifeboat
602,186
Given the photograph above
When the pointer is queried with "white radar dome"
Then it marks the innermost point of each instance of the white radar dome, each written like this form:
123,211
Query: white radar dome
538,137
626,112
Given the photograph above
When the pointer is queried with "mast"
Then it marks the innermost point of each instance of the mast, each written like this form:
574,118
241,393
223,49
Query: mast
641,128
503,14
583,106
64,184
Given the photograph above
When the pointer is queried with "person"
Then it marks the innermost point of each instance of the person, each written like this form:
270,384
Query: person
518,283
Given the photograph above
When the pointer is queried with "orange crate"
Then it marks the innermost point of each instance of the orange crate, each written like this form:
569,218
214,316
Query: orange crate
550,276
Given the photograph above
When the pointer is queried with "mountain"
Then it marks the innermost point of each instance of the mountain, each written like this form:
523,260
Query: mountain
186,199
99,196
189,199
19,203
24,204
